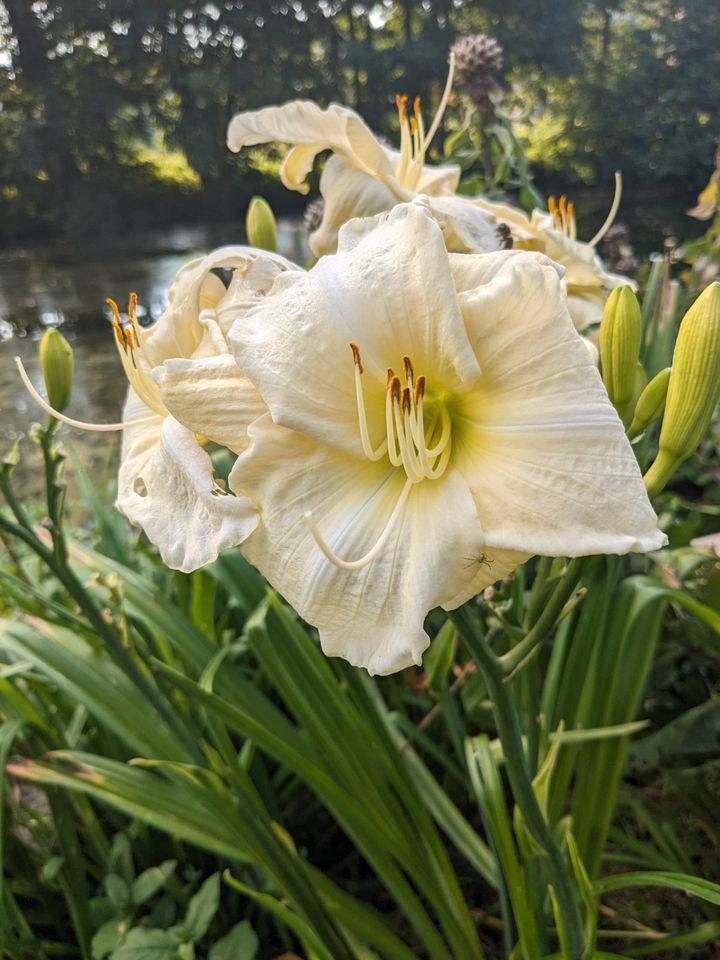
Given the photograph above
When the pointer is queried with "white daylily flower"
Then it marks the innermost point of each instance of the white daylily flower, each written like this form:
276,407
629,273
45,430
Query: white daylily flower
363,177
554,234
185,389
434,419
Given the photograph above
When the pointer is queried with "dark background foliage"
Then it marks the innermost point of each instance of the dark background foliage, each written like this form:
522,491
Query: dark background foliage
114,113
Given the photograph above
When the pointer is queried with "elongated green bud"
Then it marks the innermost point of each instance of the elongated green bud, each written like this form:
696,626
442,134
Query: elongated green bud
260,225
620,333
651,402
693,388
56,364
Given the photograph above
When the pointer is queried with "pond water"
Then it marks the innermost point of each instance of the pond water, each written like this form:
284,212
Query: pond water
58,286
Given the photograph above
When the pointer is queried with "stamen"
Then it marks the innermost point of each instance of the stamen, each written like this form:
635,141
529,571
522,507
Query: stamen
81,425
572,229
115,310
379,543
401,104
409,374
356,356
394,454
370,452
610,219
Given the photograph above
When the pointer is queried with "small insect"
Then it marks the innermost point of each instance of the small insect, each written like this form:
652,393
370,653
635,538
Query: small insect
480,559
504,236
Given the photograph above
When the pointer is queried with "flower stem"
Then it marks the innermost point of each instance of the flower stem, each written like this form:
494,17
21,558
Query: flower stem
510,733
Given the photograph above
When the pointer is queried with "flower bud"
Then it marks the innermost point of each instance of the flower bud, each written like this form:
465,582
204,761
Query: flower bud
260,225
56,364
651,402
620,333
693,388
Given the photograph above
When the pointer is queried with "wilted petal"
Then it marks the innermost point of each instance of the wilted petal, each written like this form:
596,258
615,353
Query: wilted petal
313,130
211,397
373,616
389,289
166,486
542,448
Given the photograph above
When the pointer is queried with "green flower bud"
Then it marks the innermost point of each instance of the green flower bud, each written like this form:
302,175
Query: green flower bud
620,333
260,225
651,402
56,364
693,389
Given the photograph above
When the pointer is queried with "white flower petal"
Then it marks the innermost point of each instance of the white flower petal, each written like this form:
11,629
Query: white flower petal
466,229
436,181
541,446
166,486
178,332
388,289
312,129
348,193
373,616
211,397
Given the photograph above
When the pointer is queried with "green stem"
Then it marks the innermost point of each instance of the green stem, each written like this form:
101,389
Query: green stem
547,619
510,733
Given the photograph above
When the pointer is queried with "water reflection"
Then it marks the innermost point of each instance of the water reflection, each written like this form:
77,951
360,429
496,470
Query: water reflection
54,286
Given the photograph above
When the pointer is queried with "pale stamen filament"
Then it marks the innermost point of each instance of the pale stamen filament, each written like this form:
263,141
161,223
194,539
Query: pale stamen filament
379,543
80,424
370,452
406,457
610,219
393,451
423,453
414,142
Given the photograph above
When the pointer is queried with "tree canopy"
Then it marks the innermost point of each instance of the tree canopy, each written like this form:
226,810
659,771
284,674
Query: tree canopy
114,113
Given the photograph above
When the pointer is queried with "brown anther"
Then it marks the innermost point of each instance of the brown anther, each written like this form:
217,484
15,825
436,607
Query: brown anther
416,107
413,126
570,210
118,334
419,388
115,309
390,376
132,307
409,373
552,205
406,402
562,204
129,335
356,356
401,104
395,390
